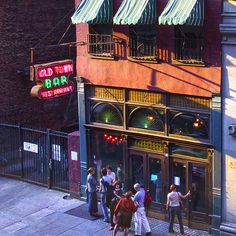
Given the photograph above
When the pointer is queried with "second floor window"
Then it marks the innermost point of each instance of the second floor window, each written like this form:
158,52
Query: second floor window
100,41
143,43
189,47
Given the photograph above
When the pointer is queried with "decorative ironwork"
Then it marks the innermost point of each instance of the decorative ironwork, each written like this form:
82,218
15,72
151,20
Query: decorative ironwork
189,51
189,45
190,102
146,118
101,45
108,93
190,124
107,114
142,41
151,145
145,97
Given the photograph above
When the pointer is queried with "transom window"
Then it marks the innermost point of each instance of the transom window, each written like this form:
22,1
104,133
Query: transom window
107,114
190,124
146,118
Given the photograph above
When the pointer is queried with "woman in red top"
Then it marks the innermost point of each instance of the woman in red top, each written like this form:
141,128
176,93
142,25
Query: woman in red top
123,212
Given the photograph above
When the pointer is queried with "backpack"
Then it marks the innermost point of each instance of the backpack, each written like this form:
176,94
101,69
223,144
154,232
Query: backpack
109,188
148,199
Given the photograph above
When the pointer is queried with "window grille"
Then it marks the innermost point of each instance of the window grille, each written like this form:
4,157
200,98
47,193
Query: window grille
190,102
142,42
189,45
151,145
145,97
108,93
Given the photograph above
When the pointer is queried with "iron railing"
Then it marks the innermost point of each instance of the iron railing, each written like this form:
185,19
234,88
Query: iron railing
189,51
101,45
142,50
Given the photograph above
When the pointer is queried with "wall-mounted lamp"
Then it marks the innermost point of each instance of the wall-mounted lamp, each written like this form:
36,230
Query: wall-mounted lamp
232,130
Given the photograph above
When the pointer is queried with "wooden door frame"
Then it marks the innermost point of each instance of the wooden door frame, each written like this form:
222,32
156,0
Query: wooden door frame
152,211
204,225
207,192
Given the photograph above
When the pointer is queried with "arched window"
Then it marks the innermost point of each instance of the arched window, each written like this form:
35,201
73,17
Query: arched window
146,118
106,114
193,125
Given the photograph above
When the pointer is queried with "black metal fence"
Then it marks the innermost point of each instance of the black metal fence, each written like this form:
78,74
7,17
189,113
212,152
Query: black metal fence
34,155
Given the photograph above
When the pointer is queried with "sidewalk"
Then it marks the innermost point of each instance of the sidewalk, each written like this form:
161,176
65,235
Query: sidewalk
31,210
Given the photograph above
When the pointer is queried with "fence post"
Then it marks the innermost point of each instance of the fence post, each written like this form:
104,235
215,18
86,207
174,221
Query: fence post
49,158
21,150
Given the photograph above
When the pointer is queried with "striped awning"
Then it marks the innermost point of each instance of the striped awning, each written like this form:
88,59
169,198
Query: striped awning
183,12
93,12
136,12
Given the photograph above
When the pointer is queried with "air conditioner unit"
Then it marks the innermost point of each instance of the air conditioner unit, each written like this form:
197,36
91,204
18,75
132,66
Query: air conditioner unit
232,130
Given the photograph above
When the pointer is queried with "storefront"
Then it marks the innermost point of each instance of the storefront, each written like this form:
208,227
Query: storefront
155,139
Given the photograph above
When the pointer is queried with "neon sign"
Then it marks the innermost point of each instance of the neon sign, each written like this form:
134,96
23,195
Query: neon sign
53,79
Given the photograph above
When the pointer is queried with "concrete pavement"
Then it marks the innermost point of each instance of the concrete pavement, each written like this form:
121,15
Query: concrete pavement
31,210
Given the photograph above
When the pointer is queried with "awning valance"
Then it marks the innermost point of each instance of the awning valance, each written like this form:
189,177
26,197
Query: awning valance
136,12
183,12
93,12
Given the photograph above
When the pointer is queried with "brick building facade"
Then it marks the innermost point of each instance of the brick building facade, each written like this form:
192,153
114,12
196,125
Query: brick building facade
149,99
26,24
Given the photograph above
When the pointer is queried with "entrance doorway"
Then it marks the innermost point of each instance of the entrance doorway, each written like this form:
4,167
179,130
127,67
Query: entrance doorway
148,170
156,172
193,176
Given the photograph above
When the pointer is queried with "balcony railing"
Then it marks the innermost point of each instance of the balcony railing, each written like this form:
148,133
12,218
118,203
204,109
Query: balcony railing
141,50
101,45
189,51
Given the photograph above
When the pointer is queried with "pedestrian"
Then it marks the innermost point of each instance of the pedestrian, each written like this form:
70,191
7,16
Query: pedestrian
123,213
105,181
140,217
111,174
114,202
174,205
91,190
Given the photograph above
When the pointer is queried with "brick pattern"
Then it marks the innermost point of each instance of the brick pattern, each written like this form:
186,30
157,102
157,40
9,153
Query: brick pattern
24,24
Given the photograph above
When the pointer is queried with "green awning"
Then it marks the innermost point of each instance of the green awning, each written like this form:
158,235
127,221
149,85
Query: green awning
93,12
136,12
183,12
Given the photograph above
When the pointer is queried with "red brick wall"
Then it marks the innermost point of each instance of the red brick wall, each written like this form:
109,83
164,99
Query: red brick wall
166,77
24,24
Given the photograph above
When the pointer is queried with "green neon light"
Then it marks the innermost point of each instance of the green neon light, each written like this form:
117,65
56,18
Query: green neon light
55,82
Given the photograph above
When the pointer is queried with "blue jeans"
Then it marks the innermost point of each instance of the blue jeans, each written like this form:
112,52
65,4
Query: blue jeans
104,206
177,211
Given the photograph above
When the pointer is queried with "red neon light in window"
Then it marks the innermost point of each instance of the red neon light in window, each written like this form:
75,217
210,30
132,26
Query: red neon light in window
112,139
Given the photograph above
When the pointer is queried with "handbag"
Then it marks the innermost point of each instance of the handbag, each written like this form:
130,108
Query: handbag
180,203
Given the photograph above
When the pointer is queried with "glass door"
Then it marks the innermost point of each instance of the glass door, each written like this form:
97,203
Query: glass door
148,169
156,180
179,171
199,186
188,175
136,168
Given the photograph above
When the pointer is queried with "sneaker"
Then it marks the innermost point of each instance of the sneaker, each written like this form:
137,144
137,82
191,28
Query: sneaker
106,220
111,228
148,234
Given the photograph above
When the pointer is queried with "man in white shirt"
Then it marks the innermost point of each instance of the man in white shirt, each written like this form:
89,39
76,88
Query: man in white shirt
140,215
111,174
